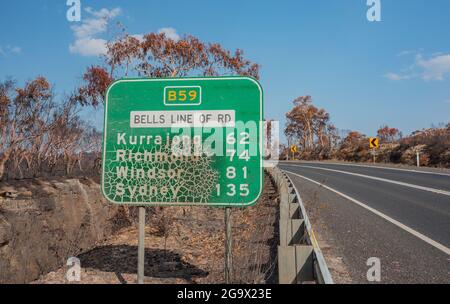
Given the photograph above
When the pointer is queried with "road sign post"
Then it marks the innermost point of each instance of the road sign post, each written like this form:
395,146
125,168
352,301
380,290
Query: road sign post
288,150
141,245
374,144
228,247
188,141
293,150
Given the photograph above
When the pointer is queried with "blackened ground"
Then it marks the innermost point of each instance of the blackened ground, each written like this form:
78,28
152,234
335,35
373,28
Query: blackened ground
186,245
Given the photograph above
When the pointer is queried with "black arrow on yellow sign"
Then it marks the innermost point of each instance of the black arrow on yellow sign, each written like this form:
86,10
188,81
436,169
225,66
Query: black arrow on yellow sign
374,143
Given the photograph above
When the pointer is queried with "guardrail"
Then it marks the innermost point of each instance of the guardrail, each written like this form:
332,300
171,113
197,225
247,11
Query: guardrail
300,259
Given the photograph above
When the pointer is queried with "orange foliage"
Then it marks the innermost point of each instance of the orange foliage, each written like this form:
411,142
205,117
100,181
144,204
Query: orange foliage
93,92
159,56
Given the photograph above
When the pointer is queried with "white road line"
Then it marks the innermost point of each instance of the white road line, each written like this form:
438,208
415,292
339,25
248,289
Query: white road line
438,191
382,215
375,167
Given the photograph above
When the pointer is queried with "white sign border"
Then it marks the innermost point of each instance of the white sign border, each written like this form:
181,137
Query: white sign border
152,204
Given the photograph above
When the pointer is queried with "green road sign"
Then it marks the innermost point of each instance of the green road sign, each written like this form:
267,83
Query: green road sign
185,141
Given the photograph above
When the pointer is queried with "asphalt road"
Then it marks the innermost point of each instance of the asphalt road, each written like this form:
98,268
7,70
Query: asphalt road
401,217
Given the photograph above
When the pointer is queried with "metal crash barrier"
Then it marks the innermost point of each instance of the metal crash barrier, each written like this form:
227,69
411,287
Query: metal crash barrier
300,260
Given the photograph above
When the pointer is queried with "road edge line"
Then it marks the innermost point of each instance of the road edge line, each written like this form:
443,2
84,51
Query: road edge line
380,214
282,181
423,188
369,166
319,255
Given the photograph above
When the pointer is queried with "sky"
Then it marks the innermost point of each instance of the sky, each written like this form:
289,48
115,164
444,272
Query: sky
365,74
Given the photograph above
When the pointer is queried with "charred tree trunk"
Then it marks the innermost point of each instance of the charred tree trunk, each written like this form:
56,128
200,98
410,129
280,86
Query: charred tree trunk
3,159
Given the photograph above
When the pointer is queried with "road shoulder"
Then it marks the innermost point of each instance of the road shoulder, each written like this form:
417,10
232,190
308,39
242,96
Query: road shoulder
349,235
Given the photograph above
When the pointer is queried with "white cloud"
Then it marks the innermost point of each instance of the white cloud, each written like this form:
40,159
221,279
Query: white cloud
436,67
396,77
139,37
87,42
8,50
15,50
170,33
104,12
90,27
407,52
89,47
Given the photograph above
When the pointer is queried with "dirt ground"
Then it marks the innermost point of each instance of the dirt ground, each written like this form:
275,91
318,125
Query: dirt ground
186,245
319,214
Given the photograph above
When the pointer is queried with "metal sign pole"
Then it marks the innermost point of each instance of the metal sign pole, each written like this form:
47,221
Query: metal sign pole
228,247
418,159
289,149
141,245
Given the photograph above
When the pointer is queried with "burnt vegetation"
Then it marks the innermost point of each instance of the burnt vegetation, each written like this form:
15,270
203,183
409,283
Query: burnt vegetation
42,135
309,128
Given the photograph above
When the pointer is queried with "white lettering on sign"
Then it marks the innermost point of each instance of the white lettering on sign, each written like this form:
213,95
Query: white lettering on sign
169,119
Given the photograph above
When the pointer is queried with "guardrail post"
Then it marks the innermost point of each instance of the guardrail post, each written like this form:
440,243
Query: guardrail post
287,274
304,263
298,231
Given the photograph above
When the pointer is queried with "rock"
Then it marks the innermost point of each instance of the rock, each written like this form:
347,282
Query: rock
26,194
9,194
55,223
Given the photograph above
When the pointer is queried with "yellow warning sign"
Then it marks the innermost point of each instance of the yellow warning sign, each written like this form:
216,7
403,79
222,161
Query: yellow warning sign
374,143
